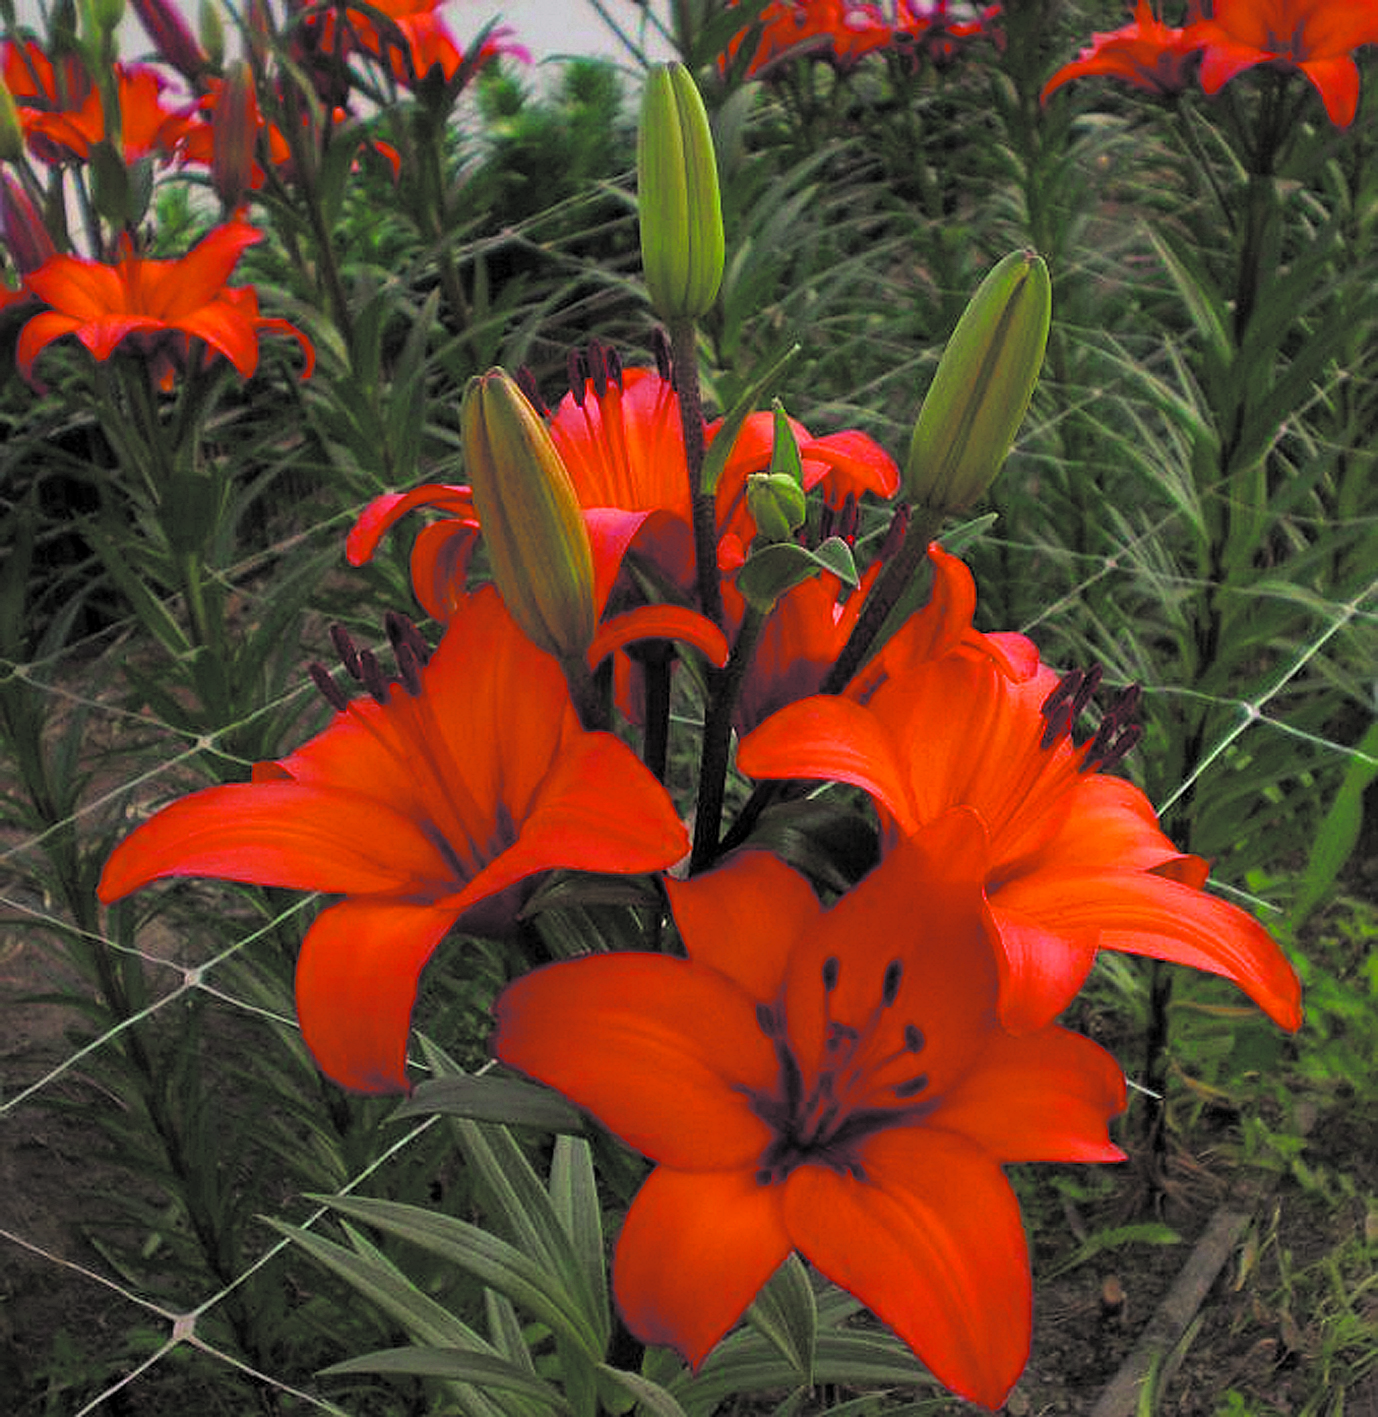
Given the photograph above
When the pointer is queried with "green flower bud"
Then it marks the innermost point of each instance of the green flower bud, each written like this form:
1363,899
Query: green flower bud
677,186
775,498
532,524
11,129
982,389
212,32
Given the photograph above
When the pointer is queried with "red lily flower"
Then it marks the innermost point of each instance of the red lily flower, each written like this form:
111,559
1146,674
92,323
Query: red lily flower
103,304
1146,53
427,39
624,449
827,1081
1316,37
61,133
431,808
1076,861
842,31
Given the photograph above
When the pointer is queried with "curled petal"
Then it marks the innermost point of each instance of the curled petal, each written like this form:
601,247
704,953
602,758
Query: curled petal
357,976
659,622
1041,970
383,512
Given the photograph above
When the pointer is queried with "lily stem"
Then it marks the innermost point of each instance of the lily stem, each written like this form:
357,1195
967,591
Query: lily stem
684,353
724,689
890,585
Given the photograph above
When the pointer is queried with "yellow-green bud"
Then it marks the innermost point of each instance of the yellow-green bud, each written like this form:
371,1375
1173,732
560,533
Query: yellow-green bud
982,389
677,190
776,498
537,543
11,129
212,31
107,14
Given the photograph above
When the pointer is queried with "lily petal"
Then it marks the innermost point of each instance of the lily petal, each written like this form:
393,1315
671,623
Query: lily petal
663,1053
694,1252
932,1243
357,978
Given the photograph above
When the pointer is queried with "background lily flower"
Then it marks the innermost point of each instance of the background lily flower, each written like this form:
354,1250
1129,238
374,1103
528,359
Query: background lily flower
146,127
1317,37
1146,53
1075,861
422,811
832,1082
103,305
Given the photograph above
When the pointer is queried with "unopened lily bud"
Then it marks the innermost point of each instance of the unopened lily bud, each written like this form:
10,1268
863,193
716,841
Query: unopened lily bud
982,389
107,15
537,542
776,498
22,228
171,36
212,31
234,131
11,129
677,187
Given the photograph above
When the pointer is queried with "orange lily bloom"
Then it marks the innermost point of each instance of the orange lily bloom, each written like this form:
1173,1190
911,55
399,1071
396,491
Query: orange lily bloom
621,441
103,305
1317,37
827,1081
60,132
842,31
1076,861
1146,53
426,39
433,806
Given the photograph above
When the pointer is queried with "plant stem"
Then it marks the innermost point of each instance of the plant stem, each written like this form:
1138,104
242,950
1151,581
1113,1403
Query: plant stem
684,352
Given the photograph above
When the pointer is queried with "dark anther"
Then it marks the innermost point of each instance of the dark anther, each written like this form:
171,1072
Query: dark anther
1111,754
913,1038
1126,703
576,366
832,966
597,356
408,669
526,382
614,362
890,985
660,343
402,632
1064,690
330,690
895,533
913,1087
766,1021
344,647
1058,726
1090,682
371,676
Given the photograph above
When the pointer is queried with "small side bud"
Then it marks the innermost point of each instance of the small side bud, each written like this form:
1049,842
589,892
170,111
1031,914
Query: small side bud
174,41
532,524
212,31
11,129
982,389
107,15
775,498
22,228
677,191
234,131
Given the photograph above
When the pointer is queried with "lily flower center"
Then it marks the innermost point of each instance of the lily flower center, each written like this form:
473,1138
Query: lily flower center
865,1079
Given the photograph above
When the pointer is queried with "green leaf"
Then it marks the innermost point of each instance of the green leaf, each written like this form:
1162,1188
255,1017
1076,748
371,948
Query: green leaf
1148,1233
772,570
786,1312
528,1284
574,1193
648,1395
493,1099
457,1364
1339,833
